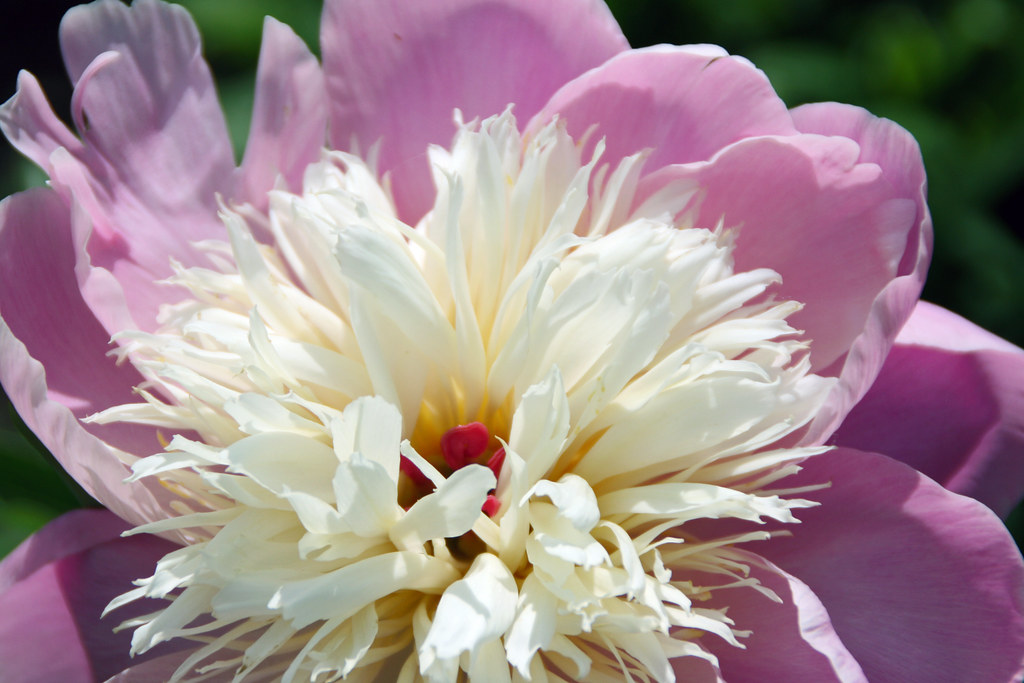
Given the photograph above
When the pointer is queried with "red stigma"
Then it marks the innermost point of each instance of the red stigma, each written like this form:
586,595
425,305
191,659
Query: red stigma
496,461
463,444
418,478
491,505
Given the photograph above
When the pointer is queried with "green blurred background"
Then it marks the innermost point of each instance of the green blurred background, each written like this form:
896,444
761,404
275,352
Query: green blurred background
950,71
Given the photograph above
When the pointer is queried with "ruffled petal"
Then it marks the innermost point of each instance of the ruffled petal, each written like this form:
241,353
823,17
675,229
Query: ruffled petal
683,104
806,207
289,120
842,219
53,362
949,402
888,552
396,71
154,152
65,575
898,157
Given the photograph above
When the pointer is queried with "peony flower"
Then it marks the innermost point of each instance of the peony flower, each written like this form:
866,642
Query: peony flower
507,353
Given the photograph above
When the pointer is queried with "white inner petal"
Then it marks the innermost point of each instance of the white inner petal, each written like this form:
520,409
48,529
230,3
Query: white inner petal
472,445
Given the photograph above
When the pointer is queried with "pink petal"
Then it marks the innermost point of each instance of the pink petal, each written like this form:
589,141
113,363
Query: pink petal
30,125
69,534
897,155
921,584
696,670
154,151
682,103
935,327
397,70
881,142
790,641
949,402
53,357
289,120
842,220
806,207
162,668
50,626
157,669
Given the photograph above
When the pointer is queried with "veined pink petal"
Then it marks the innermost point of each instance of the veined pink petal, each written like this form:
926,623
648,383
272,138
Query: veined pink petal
949,402
50,625
154,150
289,120
790,641
901,564
396,70
53,362
682,103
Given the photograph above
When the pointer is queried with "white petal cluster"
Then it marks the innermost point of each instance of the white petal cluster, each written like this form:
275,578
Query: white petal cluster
634,381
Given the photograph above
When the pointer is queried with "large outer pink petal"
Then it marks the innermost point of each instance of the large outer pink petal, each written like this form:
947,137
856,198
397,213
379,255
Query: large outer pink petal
898,156
396,71
289,120
806,207
921,584
842,218
154,150
53,362
949,402
790,641
684,104
53,590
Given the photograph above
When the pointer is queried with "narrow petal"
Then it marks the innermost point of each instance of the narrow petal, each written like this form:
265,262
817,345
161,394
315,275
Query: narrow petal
289,120
155,149
949,402
56,606
889,551
53,362
397,70
682,103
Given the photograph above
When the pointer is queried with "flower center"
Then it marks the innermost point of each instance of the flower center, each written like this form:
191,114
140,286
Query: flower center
462,446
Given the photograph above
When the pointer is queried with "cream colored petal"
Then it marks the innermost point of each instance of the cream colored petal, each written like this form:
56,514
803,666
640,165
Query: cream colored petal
472,611
447,512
